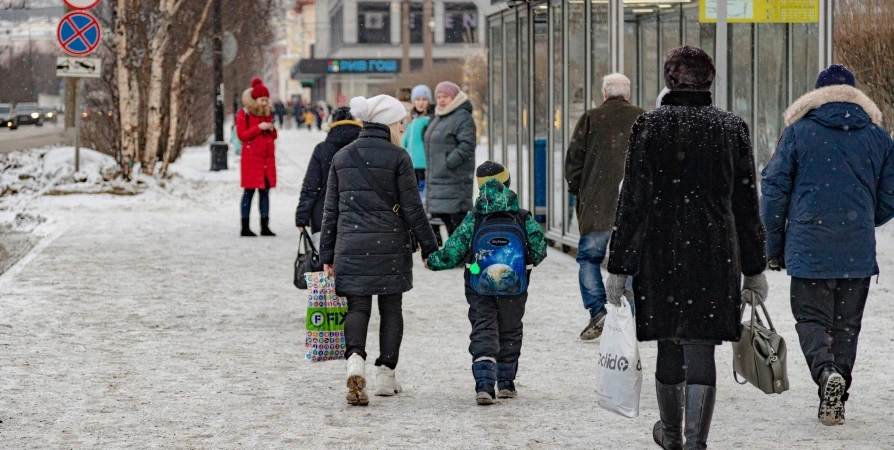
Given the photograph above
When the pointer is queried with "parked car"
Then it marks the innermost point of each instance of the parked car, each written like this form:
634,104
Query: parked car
29,114
8,116
49,114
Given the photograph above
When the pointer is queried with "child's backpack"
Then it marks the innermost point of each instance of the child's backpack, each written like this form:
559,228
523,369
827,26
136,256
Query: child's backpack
498,261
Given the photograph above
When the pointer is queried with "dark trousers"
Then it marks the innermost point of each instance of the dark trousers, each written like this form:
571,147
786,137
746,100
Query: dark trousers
451,221
263,200
391,329
689,362
828,315
496,326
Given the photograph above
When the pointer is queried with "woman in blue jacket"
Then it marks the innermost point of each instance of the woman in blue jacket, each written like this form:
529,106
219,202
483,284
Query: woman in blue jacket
412,140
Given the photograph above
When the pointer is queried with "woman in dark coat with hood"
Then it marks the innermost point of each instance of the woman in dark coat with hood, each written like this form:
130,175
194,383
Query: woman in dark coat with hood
687,228
342,131
366,241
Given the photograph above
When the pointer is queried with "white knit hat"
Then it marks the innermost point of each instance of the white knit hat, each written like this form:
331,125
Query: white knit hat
383,109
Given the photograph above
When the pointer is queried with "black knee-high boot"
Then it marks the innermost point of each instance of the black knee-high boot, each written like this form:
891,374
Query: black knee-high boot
699,411
668,432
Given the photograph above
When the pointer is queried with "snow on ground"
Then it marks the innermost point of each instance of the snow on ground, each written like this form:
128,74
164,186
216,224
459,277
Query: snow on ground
146,322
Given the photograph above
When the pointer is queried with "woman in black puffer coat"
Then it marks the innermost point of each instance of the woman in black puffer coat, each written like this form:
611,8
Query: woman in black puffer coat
366,245
342,131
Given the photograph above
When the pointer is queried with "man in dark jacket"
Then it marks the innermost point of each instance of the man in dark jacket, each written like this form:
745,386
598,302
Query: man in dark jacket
594,168
342,131
688,227
827,186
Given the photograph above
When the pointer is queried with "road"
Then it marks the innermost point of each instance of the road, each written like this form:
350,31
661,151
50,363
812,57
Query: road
29,136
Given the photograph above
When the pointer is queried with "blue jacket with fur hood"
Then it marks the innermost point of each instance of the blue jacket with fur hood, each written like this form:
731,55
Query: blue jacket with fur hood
828,185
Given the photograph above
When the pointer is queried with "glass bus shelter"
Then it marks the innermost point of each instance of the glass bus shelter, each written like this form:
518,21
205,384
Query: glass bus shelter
547,60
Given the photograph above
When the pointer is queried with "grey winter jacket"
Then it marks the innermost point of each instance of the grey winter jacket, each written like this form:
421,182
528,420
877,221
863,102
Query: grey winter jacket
450,157
366,242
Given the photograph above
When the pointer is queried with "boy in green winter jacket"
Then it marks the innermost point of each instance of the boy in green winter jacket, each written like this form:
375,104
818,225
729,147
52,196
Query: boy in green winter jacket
497,292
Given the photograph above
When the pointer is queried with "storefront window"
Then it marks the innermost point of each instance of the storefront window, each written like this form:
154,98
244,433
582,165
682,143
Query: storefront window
601,56
523,183
652,63
373,23
805,58
496,89
631,59
741,70
336,27
460,23
577,101
416,26
771,96
512,105
669,20
558,117
541,117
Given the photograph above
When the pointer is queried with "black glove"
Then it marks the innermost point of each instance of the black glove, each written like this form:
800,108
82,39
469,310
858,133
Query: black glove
776,264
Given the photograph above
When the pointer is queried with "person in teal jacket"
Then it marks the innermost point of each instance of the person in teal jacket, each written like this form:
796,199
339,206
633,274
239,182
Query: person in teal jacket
412,140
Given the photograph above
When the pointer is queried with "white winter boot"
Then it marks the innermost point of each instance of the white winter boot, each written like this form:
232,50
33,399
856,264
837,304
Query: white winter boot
386,383
357,381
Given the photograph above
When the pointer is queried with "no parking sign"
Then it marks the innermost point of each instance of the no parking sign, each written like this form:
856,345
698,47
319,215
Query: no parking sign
81,4
78,33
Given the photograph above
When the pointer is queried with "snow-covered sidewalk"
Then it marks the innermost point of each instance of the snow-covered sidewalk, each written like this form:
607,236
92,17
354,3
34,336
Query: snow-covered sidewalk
146,322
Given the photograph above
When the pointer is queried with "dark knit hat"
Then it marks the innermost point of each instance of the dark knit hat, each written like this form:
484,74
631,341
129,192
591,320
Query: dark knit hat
341,113
258,89
689,68
835,74
490,169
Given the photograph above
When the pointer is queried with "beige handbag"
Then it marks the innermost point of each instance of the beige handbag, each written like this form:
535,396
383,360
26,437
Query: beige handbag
760,355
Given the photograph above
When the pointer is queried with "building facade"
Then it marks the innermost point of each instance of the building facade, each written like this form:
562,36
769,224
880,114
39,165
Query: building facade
358,45
547,60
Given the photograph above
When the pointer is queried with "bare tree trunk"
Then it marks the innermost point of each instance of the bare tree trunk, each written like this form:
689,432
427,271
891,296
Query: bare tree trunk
128,95
176,99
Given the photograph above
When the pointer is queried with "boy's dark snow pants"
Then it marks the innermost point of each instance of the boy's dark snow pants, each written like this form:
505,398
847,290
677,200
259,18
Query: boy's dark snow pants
496,326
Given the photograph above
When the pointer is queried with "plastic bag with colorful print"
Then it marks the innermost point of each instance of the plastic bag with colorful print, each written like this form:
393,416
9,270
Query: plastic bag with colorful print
325,319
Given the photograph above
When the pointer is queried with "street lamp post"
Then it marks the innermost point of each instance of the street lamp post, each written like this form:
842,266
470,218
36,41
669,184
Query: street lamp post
219,148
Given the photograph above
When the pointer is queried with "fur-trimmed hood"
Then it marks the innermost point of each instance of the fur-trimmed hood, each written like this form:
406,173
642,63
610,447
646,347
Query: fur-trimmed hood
832,94
458,101
253,107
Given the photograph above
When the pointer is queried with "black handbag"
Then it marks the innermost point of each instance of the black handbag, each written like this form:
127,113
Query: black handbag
306,261
389,200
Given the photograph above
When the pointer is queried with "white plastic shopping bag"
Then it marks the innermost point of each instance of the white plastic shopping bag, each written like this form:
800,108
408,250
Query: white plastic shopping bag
620,372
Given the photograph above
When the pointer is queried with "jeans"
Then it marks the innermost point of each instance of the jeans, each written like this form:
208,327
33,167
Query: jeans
263,200
496,326
591,251
828,315
391,328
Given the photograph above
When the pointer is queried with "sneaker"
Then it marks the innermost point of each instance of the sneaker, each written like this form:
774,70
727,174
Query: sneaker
484,397
594,328
831,407
357,381
507,389
386,383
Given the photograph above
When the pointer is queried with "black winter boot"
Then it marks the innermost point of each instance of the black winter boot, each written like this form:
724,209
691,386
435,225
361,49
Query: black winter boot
668,432
506,379
265,230
485,373
699,410
246,231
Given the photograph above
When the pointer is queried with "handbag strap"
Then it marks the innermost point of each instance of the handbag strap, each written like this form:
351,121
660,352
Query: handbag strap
364,171
308,241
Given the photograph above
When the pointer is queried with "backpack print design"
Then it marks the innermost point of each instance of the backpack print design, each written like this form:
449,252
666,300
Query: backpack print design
499,250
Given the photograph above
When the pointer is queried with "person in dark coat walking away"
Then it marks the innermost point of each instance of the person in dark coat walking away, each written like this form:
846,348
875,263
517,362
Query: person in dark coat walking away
827,186
496,319
366,242
688,227
594,167
279,111
258,164
342,131
450,141
298,113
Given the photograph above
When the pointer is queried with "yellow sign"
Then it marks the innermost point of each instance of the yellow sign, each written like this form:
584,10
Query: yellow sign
762,11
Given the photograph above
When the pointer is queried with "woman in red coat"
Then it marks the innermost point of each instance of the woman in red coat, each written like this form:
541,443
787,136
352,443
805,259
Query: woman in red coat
254,126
